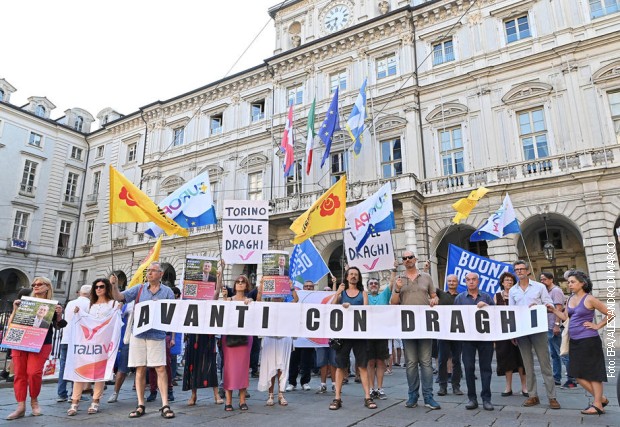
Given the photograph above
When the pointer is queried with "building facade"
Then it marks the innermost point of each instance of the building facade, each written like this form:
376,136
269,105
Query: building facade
522,97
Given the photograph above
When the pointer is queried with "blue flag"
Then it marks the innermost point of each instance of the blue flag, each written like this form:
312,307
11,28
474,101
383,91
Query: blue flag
461,262
329,126
306,264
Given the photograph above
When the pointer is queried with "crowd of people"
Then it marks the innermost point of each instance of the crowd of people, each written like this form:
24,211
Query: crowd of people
225,364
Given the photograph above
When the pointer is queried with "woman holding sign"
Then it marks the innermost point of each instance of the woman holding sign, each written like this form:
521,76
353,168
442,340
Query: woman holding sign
29,365
200,369
101,304
275,354
236,352
352,292
585,351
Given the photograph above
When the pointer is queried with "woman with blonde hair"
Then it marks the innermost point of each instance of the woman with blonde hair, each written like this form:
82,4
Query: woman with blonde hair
28,365
101,304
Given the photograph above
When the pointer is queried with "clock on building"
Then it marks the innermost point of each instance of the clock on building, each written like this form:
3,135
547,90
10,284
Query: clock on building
336,18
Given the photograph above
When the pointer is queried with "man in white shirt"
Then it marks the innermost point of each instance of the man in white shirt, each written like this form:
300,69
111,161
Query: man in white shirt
83,302
528,293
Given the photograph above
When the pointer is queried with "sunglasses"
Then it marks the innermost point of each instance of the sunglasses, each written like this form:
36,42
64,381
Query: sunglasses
100,287
405,258
240,281
373,283
34,285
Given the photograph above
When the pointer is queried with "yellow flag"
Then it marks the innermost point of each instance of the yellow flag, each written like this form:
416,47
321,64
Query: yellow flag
326,214
152,256
129,204
464,206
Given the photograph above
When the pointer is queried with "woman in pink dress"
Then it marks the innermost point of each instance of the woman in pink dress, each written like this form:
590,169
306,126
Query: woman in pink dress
237,357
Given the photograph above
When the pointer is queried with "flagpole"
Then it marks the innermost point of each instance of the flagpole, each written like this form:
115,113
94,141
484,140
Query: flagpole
433,252
111,248
526,252
374,133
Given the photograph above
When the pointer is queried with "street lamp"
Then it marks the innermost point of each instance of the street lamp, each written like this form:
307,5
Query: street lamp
548,248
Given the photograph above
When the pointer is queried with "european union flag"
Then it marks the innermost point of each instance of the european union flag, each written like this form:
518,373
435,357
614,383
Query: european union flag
329,126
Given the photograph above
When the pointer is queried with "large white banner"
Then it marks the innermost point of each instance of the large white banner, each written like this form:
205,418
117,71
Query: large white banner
448,322
93,344
245,233
377,253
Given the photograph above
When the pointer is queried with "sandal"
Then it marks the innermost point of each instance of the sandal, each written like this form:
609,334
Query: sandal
93,408
270,401
36,409
140,410
606,402
73,409
369,403
166,412
192,401
598,411
281,400
336,404
243,406
228,408
16,415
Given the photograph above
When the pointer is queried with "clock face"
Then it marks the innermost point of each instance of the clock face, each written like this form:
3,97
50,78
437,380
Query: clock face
337,18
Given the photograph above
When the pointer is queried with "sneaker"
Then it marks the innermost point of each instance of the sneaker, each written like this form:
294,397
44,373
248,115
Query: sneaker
113,398
431,404
322,389
152,396
558,382
381,394
291,387
306,387
457,390
568,385
411,403
60,399
374,393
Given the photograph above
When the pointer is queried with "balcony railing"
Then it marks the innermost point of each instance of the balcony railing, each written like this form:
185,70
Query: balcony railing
119,242
71,200
86,249
62,251
91,199
523,171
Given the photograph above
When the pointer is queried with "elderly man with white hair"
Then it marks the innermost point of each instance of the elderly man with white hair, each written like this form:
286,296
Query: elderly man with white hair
83,302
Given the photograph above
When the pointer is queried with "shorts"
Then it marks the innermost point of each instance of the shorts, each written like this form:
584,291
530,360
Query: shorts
397,343
378,349
143,352
325,356
122,365
360,351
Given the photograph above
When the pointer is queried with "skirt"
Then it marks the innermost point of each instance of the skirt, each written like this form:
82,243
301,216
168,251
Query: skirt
200,362
587,360
508,357
275,355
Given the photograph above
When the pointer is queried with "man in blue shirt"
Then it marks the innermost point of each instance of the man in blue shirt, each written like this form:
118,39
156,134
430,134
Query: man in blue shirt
378,350
473,296
148,349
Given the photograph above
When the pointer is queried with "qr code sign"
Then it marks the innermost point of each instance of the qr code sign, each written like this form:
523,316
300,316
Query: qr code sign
269,285
191,290
14,336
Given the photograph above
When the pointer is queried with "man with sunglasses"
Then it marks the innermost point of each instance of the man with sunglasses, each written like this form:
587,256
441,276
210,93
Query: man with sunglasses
528,293
148,349
416,287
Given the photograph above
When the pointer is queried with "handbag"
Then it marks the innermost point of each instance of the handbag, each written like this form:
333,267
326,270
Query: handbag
236,340
335,343
129,329
565,340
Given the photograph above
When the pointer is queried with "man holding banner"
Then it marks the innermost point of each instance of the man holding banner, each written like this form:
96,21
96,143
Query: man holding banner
148,349
416,288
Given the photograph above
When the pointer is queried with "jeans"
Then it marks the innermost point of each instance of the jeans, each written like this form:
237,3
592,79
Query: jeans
555,341
485,357
419,351
62,383
449,349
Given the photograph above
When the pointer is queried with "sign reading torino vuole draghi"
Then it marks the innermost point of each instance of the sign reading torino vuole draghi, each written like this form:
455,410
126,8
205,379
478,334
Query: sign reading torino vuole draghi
334,321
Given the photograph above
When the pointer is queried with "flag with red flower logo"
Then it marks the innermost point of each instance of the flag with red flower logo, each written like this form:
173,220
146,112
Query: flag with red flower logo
129,204
326,214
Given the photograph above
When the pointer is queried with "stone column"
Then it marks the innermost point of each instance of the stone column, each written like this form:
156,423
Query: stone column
410,218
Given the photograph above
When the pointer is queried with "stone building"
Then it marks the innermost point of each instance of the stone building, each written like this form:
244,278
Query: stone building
520,96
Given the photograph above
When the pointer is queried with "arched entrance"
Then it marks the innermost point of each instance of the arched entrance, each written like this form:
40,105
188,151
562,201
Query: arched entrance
337,262
11,280
458,235
170,275
563,234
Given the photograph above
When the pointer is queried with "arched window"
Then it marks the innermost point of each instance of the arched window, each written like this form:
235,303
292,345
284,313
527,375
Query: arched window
1,95
40,111
79,122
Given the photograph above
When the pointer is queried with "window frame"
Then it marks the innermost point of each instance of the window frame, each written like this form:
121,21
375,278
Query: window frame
132,152
100,152
64,237
379,66
255,118
392,162
178,136
533,133
295,95
96,183
40,111
32,139
445,55
255,192
604,6
71,187
90,232
29,177
219,119
78,125
341,165
340,78
22,227
76,153
614,109
518,34
294,180
443,153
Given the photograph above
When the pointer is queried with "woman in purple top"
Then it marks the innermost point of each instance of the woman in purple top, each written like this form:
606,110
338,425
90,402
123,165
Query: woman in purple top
587,361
